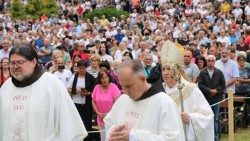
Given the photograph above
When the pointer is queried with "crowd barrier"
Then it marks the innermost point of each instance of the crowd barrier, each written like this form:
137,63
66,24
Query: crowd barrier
99,131
228,98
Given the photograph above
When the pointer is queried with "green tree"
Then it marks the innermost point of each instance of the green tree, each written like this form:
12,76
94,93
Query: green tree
50,7
34,9
109,12
17,10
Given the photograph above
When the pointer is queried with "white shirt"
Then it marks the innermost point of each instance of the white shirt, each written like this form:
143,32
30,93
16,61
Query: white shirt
64,76
4,54
225,40
237,12
247,10
118,55
88,5
107,57
77,98
108,34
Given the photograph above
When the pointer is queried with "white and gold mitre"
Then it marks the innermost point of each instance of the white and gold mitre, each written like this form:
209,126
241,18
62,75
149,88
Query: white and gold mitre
172,54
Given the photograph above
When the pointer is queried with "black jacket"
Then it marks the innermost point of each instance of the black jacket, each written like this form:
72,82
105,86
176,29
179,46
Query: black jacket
155,74
90,82
217,82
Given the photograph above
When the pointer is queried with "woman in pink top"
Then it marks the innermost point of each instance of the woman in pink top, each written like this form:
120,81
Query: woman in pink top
104,96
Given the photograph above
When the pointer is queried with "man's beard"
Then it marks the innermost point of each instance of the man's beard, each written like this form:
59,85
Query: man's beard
20,76
224,60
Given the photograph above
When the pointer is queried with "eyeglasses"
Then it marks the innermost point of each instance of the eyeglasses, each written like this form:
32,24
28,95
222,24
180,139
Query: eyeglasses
17,63
94,60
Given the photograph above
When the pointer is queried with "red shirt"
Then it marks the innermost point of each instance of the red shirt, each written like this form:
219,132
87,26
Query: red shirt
3,79
84,56
157,13
80,10
44,18
247,41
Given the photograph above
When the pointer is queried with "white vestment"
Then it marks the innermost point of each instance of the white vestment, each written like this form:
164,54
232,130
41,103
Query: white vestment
42,111
155,118
201,126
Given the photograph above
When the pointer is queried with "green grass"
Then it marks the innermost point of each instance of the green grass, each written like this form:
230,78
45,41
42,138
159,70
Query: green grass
239,135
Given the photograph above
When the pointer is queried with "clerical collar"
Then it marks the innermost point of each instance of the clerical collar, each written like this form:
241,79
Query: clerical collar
150,92
33,78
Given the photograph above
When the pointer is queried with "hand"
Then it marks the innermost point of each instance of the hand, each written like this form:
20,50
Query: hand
120,133
240,80
78,91
46,52
237,83
84,93
185,118
55,68
213,92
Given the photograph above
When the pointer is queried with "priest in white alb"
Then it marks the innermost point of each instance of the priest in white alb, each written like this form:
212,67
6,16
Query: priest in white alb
196,113
35,105
143,113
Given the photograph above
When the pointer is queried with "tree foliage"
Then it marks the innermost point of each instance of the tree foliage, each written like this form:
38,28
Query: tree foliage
17,10
49,7
109,12
34,8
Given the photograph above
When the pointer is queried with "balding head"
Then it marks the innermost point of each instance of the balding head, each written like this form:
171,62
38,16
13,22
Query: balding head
6,44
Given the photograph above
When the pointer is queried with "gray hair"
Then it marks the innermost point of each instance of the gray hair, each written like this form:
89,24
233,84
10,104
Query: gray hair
134,64
242,53
211,57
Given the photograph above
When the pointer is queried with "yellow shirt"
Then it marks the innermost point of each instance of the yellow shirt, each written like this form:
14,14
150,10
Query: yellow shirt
225,7
103,22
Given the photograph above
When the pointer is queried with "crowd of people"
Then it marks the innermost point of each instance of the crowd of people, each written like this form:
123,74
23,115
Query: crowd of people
85,54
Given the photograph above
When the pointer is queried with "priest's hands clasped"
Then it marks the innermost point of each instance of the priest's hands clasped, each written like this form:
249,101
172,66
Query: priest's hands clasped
120,133
185,118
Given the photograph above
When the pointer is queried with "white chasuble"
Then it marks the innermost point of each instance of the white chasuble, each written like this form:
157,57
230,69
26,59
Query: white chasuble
201,126
155,118
42,111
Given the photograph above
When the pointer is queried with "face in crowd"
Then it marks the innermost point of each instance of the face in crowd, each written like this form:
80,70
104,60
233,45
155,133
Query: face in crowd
187,57
224,55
